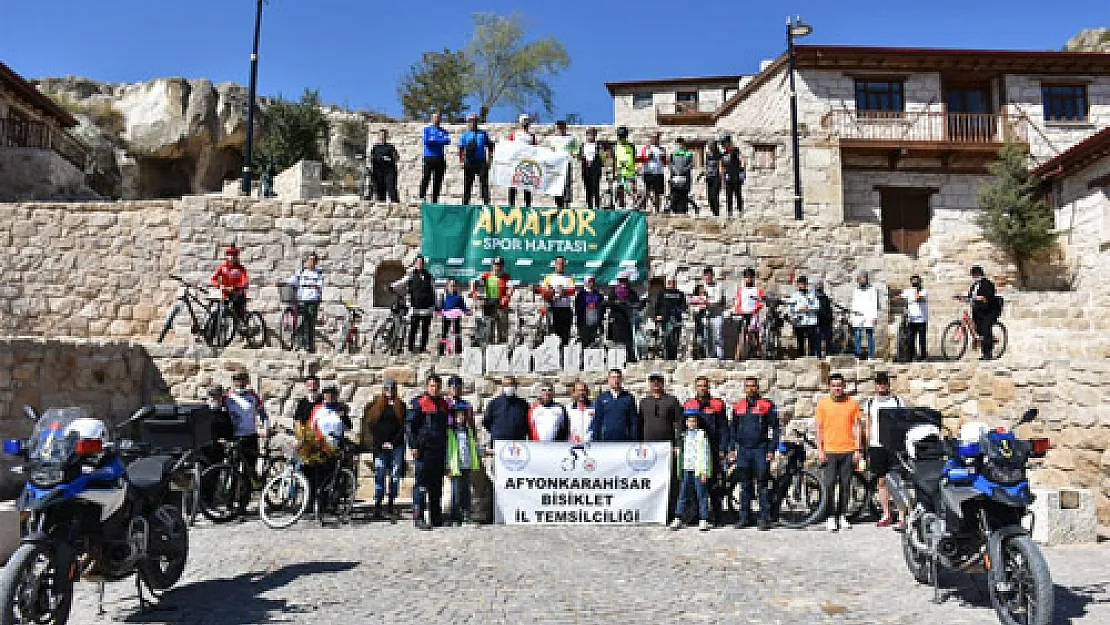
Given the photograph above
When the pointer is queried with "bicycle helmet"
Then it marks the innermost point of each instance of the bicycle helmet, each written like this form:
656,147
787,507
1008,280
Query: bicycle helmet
330,389
231,250
622,132
725,139
749,273
216,391
454,381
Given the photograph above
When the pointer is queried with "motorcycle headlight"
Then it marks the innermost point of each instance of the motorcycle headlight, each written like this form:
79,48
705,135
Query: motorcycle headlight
48,477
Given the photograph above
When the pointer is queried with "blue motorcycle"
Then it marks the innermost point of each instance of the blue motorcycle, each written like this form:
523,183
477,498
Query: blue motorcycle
964,500
93,509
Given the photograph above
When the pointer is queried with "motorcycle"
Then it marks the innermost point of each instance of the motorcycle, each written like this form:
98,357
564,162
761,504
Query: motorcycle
88,515
963,501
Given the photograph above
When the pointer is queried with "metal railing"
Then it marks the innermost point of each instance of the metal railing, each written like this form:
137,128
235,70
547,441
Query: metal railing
926,127
21,133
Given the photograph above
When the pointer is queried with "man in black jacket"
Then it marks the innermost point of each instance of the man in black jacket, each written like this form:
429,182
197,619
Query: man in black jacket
422,298
660,413
984,309
426,430
383,168
506,416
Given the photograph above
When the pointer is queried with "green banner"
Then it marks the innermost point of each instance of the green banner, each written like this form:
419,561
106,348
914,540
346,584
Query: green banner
461,241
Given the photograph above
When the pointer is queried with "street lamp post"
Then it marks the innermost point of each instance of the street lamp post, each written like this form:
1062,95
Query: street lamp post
795,28
248,156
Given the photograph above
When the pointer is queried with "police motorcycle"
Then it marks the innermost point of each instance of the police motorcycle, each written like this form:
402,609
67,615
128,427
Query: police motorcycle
92,509
964,501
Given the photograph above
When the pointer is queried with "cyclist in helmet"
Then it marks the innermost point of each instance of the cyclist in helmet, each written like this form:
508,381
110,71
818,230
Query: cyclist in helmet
624,162
231,277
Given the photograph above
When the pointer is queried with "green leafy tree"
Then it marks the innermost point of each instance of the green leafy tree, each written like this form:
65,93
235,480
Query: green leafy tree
1015,218
437,84
508,70
292,132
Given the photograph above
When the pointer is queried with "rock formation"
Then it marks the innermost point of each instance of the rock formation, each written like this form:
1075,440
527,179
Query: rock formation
1090,40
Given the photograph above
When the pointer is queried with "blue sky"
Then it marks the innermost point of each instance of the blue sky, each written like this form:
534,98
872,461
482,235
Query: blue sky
354,51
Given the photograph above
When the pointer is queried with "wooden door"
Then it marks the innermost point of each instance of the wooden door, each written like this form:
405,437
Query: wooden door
905,219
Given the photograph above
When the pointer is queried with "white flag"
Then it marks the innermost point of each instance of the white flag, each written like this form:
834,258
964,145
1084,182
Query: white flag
530,167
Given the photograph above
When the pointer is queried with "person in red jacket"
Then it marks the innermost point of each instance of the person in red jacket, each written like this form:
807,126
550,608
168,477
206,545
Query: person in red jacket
494,289
231,277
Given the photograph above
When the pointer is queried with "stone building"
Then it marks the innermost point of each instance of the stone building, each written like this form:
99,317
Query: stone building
669,101
39,159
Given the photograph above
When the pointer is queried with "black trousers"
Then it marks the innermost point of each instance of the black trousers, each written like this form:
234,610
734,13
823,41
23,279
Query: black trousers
838,473
807,340
385,183
512,197
480,171
713,193
561,320
918,332
734,190
248,446
983,323
421,321
428,487
434,168
680,200
592,181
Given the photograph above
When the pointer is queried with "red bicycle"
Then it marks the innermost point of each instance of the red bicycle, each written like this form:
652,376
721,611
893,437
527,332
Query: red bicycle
959,332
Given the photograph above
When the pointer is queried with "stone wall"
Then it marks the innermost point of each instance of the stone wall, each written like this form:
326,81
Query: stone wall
1046,138
28,174
1083,219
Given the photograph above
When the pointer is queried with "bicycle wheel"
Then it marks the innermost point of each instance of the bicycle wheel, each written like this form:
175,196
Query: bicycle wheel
382,340
345,487
253,329
953,341
169,321
284,499
220,489
998,331
190,497
287,329
803,503
220,328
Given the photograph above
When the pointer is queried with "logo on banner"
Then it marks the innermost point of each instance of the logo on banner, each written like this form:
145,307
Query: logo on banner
579,454
515,456
528,173
641,458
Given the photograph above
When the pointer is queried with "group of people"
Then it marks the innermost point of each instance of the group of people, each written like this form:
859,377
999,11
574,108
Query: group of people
437,431
652,165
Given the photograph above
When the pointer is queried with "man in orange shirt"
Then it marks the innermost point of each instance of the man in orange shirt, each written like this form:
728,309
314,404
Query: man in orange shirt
838,447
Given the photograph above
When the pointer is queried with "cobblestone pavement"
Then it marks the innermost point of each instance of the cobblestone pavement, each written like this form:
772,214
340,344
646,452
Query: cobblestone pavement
370,573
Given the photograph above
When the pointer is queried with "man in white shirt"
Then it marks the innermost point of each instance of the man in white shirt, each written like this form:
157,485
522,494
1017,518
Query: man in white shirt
803,309
563,142
310,290
580,414
878,458
715,312
558,290
247,412
917,313
547,420
864,313
526,136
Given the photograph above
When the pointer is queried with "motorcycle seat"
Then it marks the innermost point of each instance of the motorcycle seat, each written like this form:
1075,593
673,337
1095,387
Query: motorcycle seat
150,472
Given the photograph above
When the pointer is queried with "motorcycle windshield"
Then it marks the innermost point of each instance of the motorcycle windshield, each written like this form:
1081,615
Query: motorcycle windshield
51,441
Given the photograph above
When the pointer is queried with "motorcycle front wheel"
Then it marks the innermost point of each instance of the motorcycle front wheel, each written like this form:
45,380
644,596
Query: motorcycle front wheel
32,590
1022,592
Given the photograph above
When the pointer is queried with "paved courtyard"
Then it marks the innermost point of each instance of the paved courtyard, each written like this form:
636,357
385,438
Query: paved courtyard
381,573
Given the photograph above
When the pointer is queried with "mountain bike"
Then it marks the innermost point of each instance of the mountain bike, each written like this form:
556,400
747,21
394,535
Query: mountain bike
795,494
291,330
700,339
389,337
960,332
224,487
749,343
770,335
350,338
226,322
484,322
285,495
200,311
843,341
449,336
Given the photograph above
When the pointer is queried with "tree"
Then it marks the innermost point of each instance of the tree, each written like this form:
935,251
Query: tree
1015,217
437,84
292,131
509,71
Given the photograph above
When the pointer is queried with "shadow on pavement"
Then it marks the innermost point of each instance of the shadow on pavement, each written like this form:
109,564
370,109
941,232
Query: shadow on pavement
235,600
1072,601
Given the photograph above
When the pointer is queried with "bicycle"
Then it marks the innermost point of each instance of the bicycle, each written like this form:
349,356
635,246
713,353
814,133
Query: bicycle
483,323
843,335
222,496
770,336
959,332
291,330
448,340
795,494
665,335
227,322
284,497
903,340
749,343
624,192
350,338
389,337
200,311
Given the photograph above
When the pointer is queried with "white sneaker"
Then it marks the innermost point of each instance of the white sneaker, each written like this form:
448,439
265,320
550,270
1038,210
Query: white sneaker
844,524
830,524
703,526
676,524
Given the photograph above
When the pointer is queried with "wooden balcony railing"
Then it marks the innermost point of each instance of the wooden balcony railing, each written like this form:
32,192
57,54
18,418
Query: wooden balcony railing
925,127
20,133
685,112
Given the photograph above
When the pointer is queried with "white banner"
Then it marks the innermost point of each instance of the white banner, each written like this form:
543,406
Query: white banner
530,168
592,483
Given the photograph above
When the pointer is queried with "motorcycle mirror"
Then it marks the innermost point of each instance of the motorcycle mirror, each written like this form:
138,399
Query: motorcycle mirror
30,413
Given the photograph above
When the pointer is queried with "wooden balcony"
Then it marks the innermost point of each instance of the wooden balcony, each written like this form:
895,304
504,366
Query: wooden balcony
924,129
685,113
19,133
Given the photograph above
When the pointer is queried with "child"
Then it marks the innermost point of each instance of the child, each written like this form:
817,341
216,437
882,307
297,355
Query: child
693,470
452,306
462,456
